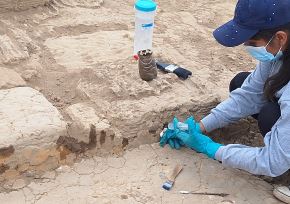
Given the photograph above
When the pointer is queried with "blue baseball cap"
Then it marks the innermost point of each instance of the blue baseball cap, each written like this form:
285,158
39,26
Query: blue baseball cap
250,17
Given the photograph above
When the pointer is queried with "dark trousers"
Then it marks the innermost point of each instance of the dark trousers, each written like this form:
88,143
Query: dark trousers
269,113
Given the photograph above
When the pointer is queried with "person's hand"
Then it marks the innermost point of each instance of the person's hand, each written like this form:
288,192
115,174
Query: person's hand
168,134
175,143
192,138
167,137
198,141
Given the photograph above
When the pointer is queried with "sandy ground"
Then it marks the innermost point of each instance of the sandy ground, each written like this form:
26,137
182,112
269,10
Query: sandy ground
137,177
67,45
78,54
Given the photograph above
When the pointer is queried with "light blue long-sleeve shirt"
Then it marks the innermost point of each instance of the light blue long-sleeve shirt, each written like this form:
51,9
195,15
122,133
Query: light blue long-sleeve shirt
274,158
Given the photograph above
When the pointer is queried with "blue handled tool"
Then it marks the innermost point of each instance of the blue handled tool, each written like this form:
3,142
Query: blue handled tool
171,68
171,179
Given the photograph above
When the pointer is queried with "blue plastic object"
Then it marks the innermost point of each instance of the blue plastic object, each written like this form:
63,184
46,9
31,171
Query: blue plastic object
145,5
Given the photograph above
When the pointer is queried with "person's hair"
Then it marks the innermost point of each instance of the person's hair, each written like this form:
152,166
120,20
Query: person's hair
279,80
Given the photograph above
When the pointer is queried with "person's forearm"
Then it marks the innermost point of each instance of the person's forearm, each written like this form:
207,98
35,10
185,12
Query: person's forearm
255,160
202,128
209,123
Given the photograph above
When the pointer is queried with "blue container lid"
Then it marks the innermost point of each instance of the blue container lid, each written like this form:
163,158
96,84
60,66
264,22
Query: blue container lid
145,5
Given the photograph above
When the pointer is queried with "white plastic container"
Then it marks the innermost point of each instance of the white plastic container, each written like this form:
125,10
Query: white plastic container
144,23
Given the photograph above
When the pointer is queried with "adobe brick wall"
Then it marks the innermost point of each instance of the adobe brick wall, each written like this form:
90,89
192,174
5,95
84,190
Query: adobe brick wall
17,5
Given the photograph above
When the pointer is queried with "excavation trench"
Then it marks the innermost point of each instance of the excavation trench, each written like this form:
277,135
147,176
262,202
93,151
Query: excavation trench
67,150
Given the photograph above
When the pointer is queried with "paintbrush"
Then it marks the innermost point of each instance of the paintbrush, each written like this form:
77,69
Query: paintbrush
171,179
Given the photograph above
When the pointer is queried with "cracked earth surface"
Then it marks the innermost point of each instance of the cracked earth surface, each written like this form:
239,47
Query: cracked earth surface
137,177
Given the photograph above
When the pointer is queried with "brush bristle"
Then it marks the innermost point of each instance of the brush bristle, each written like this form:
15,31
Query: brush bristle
167,185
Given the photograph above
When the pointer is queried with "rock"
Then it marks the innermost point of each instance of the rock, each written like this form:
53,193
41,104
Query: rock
10,79
28,120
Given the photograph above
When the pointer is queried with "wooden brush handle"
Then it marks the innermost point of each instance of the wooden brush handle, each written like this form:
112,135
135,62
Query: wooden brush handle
178,168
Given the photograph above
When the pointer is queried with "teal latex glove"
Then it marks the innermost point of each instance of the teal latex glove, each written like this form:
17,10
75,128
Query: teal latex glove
169,135
174,143
198,141
192,138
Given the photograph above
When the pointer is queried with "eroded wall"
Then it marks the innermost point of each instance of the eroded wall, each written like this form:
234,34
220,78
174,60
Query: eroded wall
17,5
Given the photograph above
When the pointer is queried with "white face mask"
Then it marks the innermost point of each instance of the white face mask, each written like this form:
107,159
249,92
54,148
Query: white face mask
261,53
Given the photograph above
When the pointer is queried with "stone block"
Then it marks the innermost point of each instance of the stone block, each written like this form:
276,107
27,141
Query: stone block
83,116
10,79
30,126
27,118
